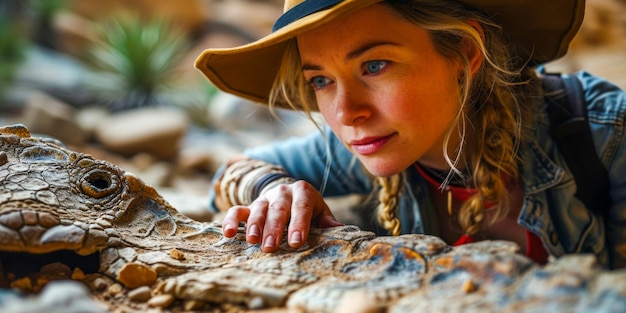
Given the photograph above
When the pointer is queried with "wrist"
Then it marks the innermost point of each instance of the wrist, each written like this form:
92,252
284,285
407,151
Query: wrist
270,181
245,180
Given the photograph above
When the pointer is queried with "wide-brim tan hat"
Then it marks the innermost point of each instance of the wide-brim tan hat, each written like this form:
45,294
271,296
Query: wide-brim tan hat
540,29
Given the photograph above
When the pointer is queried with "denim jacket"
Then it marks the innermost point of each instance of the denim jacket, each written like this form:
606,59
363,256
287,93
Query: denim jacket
549,209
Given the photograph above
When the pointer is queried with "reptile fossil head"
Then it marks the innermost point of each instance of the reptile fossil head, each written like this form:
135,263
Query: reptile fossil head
53,199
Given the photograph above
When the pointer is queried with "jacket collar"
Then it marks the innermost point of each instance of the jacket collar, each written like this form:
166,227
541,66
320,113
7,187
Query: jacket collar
539,172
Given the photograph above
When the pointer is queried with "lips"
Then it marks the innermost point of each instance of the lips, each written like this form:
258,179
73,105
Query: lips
369,145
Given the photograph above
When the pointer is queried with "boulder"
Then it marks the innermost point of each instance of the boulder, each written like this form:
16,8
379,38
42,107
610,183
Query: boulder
48,116
155,131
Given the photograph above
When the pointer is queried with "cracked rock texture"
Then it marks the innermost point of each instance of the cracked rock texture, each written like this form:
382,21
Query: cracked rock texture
145,255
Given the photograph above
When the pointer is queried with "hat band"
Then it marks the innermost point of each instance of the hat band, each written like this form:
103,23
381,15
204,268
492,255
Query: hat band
301,10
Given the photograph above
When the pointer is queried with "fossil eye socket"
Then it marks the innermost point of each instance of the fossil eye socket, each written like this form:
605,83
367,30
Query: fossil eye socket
99,184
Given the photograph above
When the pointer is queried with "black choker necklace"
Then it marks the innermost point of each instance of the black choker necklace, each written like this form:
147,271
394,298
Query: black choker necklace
441,175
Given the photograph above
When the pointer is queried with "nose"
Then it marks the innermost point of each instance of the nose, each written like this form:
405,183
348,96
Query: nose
352,106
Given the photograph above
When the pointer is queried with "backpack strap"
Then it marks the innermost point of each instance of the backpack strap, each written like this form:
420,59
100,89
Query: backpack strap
570,129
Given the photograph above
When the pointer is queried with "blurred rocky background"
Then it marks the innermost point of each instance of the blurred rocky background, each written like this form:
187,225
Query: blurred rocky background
115,79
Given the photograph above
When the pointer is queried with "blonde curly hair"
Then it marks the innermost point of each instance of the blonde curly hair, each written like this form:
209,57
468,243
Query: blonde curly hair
496,102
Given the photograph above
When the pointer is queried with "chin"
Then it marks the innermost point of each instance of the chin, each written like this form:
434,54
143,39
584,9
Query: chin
383,169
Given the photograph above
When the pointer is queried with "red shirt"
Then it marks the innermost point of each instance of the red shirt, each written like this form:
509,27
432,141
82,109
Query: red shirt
534,246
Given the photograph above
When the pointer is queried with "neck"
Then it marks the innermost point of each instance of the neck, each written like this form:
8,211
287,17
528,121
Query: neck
444,175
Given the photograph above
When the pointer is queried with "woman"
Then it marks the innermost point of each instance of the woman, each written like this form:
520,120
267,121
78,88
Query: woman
432,106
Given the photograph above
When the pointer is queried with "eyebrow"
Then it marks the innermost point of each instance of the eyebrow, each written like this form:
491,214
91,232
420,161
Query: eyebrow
352,54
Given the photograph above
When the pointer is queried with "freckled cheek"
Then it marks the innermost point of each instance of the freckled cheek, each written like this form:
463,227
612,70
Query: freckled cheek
328,113
326,104
397,103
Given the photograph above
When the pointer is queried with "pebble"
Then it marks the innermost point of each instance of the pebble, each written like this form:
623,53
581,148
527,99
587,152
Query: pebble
99,284
4,158
177,254
161,301
357,302
22,284
193,305
115,289
134,275
468,286
256,303
141,294
57,269
78,274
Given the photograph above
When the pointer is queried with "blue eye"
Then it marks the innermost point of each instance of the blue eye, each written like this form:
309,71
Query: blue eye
373,67
318,82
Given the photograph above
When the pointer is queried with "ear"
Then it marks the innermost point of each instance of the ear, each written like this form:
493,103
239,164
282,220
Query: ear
472,51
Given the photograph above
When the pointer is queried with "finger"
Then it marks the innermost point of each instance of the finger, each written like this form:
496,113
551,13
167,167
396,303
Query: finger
258,211
278,213
305,198
310,203
231,220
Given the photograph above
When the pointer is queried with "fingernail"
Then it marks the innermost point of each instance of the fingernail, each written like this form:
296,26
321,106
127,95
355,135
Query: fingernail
254,231
296,237
228,227
270,242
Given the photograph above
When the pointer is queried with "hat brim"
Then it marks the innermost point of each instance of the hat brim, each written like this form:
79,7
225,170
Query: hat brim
540,29
248,71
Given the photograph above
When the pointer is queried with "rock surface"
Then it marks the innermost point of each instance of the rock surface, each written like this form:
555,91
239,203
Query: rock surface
55,202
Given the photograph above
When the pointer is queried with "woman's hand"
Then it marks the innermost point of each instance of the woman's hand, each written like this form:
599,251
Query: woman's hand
298,204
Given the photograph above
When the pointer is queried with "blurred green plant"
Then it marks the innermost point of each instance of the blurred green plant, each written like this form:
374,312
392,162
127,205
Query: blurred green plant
45,11
196,102
48,8
12,51
134,63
